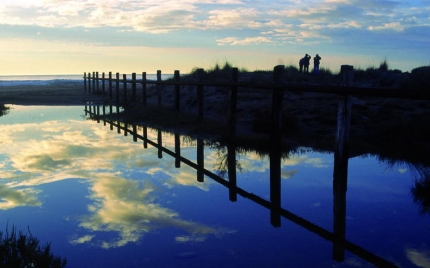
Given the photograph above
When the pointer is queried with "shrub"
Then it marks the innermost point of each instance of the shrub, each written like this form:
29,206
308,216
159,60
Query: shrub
23,250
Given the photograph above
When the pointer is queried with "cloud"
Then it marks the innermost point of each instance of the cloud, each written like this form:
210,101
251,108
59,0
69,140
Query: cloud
129,209
249,40
419,258
12,198
82,240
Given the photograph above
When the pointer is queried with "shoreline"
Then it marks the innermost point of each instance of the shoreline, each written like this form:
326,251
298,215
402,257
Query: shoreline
382,126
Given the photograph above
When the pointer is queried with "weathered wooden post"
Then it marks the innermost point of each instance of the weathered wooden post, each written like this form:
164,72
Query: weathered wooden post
117,88
110,85
125,129
200,160
104,114
177,151
275,183
159,87
232,180
277,96
133,87
85,82
103,83
118,122
89,82
144,88
97,83
340,171
160,143
231,122
200,93
275,150
94,81
111,121
134,133
124,79
98,114
177,78
347,72
145,137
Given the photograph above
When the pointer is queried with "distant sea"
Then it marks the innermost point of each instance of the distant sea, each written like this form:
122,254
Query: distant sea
15,80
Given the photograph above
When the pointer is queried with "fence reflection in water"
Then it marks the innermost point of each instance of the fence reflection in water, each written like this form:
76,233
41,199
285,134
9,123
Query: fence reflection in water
337,237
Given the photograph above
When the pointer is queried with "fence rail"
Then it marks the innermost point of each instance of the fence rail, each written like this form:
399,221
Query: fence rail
344,88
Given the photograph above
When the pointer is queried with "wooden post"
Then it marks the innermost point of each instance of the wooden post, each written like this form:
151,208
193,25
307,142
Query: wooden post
231,123
277,96
104,114
144,88
97,83
145,137
275,182
118,122
98,114
111,121
160,143
89,82
177,78
124,79
232,180
340,171
159,87
133,86
125,128
177,150
94,81
200,94
200,160
347,72
117,87
85,82
110,85
134,133
103,83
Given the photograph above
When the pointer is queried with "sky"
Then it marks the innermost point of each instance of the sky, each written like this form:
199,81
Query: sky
73,37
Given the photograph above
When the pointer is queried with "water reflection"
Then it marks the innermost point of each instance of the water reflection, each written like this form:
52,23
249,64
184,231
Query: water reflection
170,205
227,164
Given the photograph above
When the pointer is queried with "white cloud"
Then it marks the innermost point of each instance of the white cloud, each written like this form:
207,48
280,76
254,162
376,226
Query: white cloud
246,41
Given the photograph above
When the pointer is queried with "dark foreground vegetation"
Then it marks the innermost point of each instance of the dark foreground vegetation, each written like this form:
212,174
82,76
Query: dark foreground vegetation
19,250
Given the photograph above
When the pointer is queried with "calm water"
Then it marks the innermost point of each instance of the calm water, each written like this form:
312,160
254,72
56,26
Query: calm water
15,80
105,201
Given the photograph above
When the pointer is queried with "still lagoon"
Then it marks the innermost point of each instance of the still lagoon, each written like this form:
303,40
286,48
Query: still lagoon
103,200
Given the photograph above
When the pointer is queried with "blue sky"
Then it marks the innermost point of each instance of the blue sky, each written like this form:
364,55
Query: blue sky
71,37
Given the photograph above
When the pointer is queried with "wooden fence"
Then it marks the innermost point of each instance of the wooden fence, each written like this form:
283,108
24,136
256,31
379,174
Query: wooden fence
117,89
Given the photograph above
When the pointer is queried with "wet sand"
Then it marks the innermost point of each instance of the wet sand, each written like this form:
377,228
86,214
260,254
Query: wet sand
57,93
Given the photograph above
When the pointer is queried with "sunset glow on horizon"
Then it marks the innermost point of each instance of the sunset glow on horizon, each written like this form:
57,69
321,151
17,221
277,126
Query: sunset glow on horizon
71,37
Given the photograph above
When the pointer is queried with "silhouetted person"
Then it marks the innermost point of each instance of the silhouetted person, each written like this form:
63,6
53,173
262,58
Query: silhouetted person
304,63
317,59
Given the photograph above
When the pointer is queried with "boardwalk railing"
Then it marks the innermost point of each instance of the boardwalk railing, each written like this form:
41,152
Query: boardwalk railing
337,237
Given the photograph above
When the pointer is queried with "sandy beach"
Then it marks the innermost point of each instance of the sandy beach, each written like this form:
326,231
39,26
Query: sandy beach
52,93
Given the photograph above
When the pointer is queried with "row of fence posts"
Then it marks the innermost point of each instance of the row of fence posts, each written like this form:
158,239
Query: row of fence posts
92,85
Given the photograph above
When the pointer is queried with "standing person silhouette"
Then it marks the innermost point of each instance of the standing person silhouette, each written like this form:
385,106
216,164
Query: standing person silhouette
304,63
317,59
